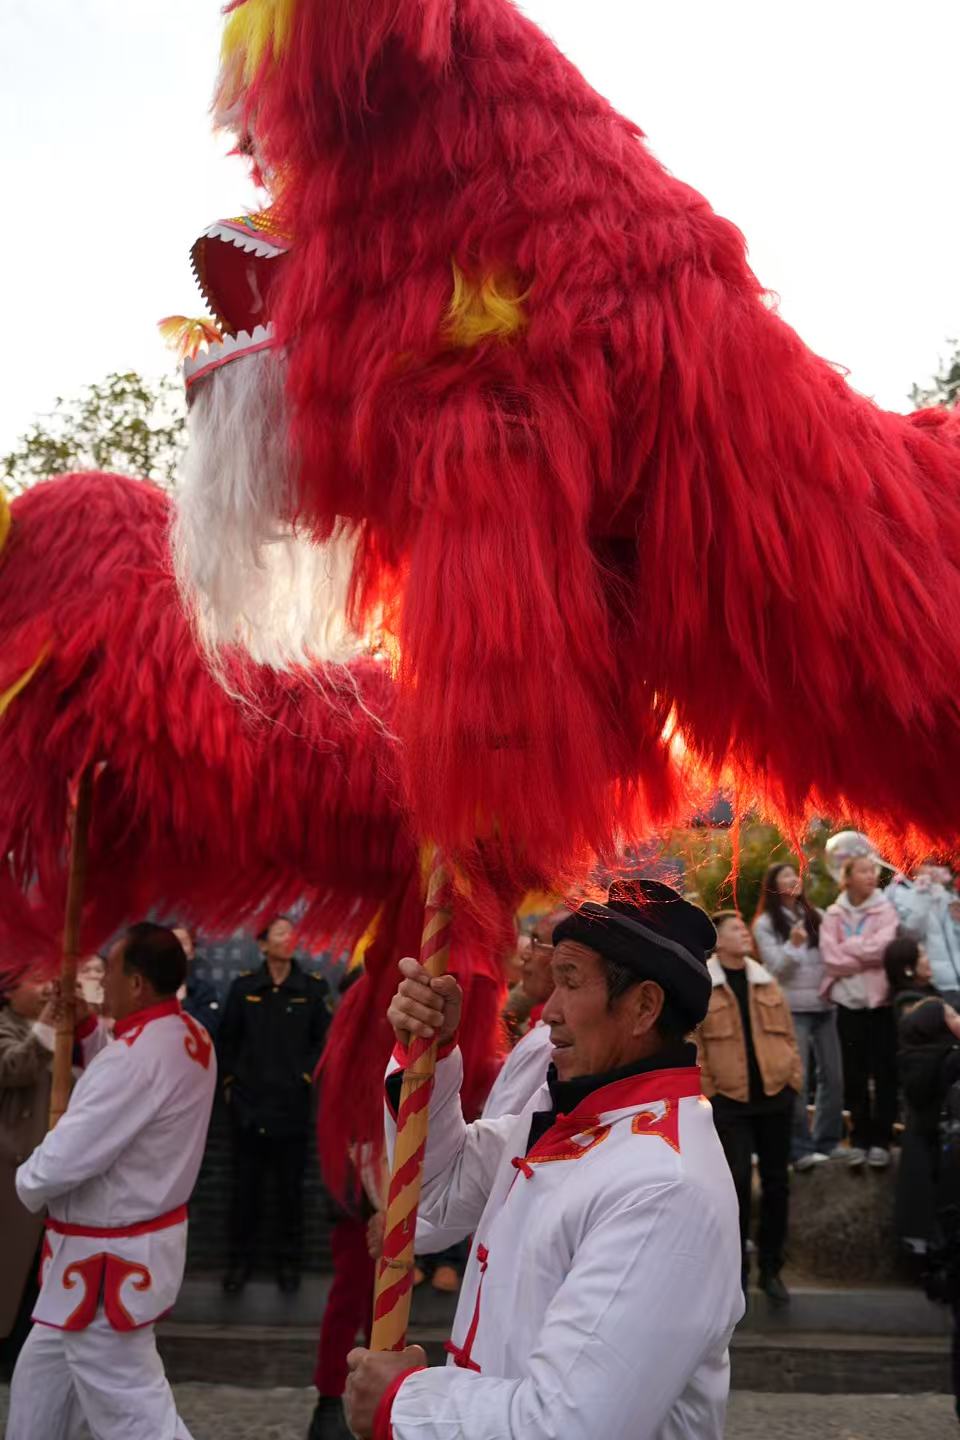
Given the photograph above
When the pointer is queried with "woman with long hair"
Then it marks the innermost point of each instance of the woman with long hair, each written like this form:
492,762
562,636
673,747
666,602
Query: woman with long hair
786,929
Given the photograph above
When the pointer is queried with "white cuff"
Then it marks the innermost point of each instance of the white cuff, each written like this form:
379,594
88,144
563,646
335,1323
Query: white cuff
45,1034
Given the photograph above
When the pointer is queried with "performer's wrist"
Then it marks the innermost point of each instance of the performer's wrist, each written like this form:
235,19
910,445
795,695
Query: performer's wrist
382,1423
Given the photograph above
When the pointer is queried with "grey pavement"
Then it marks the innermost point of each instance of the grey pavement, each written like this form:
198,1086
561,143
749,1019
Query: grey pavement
227,1412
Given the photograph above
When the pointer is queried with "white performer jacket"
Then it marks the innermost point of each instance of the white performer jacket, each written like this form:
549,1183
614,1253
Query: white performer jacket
523,1074
521,1077
117,1171
604,1281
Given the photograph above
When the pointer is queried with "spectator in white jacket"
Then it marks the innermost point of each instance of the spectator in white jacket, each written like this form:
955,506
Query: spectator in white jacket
787,934
929,911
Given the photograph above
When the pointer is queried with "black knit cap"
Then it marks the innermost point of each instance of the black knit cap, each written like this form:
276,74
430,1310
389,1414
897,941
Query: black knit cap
653,931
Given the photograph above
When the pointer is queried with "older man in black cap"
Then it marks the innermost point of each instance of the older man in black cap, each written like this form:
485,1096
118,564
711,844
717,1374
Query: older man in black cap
604,1281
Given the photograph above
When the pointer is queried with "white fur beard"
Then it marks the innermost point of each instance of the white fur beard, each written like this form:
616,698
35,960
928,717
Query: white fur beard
245,575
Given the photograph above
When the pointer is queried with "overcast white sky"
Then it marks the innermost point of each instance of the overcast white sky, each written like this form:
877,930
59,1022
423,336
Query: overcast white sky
825,130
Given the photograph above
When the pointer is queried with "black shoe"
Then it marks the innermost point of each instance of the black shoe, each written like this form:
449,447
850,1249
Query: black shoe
329,1422
235,1278
774,1288
288,1280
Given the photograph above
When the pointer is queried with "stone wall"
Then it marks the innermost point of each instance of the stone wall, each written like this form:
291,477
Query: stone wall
210,1208
841,1224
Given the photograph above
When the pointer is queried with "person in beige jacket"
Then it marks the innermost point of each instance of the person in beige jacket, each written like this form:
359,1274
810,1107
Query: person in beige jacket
752,1073
26,1048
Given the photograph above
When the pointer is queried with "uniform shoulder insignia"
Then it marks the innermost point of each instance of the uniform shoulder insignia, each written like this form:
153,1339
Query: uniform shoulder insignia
244,974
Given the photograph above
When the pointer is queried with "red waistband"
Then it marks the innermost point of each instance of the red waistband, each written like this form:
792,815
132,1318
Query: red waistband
120,1232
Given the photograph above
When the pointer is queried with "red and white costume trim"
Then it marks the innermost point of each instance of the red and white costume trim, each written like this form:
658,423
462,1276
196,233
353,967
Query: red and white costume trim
604,1281
115,1176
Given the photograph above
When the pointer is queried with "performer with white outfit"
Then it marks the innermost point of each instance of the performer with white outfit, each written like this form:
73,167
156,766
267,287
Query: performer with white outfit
604,1282
115,1176
523,1074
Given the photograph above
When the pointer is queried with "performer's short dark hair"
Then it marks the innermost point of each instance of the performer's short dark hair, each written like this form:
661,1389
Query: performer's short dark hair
154,952
672,1025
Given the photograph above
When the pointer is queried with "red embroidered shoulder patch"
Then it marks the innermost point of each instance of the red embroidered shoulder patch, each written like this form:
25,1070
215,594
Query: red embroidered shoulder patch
665,1125
197,1043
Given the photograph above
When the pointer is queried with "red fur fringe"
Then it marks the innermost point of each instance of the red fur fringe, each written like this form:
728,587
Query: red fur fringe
657,499
222,809
360,1041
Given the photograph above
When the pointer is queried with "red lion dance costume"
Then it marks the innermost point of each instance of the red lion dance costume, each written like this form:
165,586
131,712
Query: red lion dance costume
529,399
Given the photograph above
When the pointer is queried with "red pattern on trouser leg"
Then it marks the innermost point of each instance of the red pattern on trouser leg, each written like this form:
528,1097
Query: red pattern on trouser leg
349,1305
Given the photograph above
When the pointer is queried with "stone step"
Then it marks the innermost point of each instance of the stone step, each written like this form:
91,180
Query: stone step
788,1361
841,1364
878,1310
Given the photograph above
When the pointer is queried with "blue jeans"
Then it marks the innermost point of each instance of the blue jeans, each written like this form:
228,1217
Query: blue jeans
817,1030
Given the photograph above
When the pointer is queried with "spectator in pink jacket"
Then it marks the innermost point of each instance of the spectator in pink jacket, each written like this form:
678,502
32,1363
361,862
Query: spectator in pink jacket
856,931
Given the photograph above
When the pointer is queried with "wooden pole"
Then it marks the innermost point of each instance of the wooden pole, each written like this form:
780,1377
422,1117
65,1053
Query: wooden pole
394,1288
76,885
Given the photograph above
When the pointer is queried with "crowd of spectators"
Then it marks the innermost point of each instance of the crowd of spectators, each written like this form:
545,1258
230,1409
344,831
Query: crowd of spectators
798,1052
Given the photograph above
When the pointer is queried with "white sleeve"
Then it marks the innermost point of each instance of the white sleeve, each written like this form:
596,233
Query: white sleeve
112,1103
643,1304
524,1073
461,1160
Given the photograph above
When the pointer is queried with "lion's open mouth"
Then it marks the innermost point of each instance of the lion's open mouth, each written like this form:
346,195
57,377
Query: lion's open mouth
236,263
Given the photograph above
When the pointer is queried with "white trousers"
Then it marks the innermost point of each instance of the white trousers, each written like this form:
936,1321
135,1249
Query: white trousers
113,1382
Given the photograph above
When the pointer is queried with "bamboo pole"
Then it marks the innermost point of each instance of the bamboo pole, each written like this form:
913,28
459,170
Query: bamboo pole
63,1047
394,1287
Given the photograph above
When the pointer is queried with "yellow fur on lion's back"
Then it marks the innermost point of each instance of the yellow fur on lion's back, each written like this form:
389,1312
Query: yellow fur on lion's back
486,310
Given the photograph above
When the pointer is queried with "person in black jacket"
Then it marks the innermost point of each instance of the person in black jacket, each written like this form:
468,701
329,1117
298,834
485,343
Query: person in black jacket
274,1025
930,1075
915,1203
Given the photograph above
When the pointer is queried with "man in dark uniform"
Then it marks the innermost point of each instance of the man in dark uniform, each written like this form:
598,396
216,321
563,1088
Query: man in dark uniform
273,1029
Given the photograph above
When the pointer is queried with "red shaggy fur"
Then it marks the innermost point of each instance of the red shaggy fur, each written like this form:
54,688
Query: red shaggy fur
217,810
656,497
360,1040
220,808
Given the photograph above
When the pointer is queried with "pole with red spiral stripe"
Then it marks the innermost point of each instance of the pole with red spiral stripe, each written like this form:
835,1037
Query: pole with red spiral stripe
394,1289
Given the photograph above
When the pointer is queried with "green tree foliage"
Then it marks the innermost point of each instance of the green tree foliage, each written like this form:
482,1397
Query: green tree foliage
711,858
124,423
945,386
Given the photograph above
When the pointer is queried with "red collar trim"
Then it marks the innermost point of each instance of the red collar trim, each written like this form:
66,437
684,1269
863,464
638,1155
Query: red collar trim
139,1018
630,1095
635,1091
